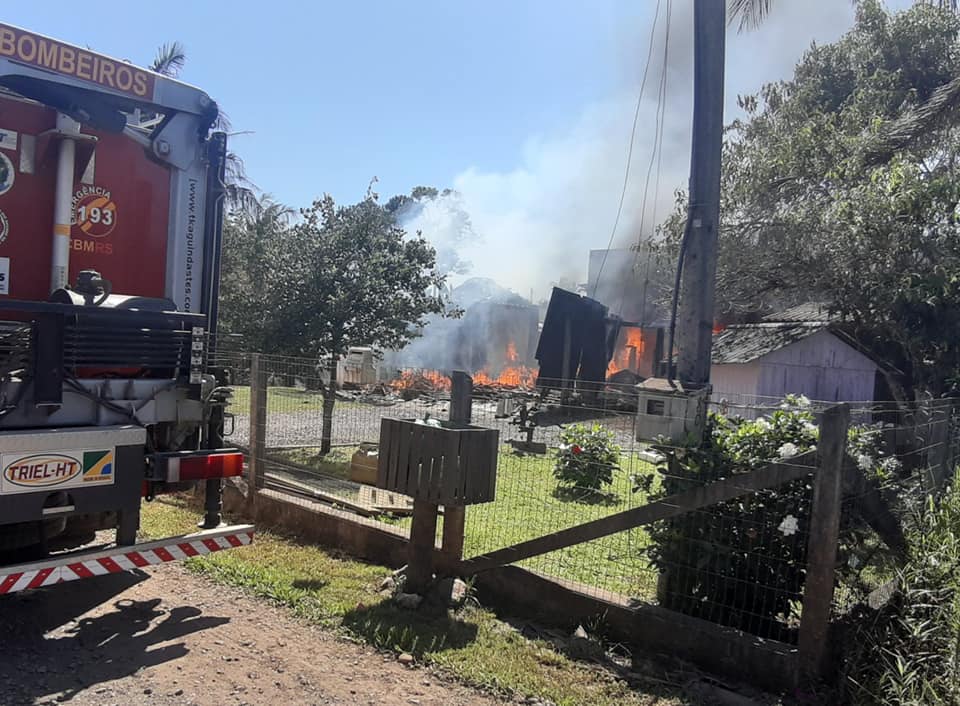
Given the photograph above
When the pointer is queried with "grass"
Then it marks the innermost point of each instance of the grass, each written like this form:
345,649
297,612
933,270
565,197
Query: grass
529,506
335,464
339,593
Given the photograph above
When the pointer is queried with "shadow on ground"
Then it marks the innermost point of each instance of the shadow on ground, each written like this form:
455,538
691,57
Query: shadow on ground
50,649
417,632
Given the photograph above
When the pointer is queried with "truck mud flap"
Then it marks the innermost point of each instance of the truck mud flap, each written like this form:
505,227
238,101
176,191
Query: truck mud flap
82,565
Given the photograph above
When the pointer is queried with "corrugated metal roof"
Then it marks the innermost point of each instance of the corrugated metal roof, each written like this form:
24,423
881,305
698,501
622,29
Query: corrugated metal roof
811,312
748,342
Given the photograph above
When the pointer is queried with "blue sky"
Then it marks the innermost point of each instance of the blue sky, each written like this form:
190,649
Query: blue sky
524,107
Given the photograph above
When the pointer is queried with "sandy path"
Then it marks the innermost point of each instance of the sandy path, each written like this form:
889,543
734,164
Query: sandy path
169,637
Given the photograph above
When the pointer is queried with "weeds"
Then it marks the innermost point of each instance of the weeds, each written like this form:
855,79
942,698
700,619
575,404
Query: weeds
907,652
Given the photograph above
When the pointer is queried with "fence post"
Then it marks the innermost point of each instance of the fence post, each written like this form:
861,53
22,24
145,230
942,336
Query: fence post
423,537
822,542
258,424
455,518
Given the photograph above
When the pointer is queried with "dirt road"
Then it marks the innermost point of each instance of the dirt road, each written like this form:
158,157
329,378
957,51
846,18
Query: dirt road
169,637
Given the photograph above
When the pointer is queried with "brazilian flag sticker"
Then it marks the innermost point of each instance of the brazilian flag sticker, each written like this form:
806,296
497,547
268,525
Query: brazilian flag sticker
98,466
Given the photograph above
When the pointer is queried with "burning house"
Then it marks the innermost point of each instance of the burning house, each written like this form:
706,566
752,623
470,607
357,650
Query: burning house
494,340
633,285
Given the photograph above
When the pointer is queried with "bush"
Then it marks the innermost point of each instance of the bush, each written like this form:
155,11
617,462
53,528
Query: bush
742,563
907,652
587,457
739,563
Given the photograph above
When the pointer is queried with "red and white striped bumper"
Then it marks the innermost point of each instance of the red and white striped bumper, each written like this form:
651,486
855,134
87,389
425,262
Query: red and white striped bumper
117,559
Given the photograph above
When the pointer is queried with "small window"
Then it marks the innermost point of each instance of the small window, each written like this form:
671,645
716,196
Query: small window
656,407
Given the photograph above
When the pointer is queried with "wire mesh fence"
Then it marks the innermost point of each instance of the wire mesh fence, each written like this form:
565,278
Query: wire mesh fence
570,455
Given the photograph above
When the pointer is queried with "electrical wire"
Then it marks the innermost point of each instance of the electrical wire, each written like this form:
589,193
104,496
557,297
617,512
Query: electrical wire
656,157
676,291
633,136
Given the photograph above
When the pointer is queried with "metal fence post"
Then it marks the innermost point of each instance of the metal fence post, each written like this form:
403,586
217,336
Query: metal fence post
455,518
258,423
822,542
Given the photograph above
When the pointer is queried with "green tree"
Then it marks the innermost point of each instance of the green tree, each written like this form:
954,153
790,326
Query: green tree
251,245
348,275
820,202
751,13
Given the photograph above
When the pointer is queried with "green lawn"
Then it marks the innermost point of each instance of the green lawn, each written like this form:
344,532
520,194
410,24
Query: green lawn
528,506
341,593
335,464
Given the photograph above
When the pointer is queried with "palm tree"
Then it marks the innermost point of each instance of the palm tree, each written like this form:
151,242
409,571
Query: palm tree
241,193
169,60
751,13
895,134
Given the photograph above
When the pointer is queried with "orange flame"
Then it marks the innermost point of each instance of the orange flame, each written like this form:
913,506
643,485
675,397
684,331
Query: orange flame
424,379
513,375
630,346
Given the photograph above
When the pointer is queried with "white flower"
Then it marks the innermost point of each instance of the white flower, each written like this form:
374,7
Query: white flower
810,427
864,462
789,526
853,561
788,450
803,401
763,423
891,465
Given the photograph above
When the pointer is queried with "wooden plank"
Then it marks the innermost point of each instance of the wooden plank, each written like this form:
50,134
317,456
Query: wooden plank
449,490
493,453
394,453
385,499
469,461
822,542
415,459
383,455
435,449
770,476
403,435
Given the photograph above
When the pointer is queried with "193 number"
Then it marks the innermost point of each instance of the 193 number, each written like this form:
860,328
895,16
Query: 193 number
95,215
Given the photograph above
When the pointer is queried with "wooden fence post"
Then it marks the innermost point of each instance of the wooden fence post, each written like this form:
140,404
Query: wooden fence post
822,542
423,538
258,424
455,518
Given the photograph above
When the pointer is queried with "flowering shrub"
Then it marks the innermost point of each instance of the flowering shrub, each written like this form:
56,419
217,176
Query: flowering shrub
742,562
587,457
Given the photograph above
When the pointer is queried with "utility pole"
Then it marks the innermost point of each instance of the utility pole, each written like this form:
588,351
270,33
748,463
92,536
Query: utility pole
695,313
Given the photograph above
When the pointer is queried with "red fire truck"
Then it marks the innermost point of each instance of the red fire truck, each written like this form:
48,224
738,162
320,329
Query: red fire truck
111,206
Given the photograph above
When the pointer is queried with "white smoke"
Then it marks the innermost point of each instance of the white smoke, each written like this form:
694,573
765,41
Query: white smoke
534,224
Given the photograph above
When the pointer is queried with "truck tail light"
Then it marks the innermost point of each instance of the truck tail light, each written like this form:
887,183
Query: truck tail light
180,468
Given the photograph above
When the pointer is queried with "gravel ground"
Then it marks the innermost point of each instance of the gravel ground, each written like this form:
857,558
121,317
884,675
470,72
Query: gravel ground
168,637
356,422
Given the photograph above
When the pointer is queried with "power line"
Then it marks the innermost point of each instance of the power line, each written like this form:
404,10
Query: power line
656,157
633,135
